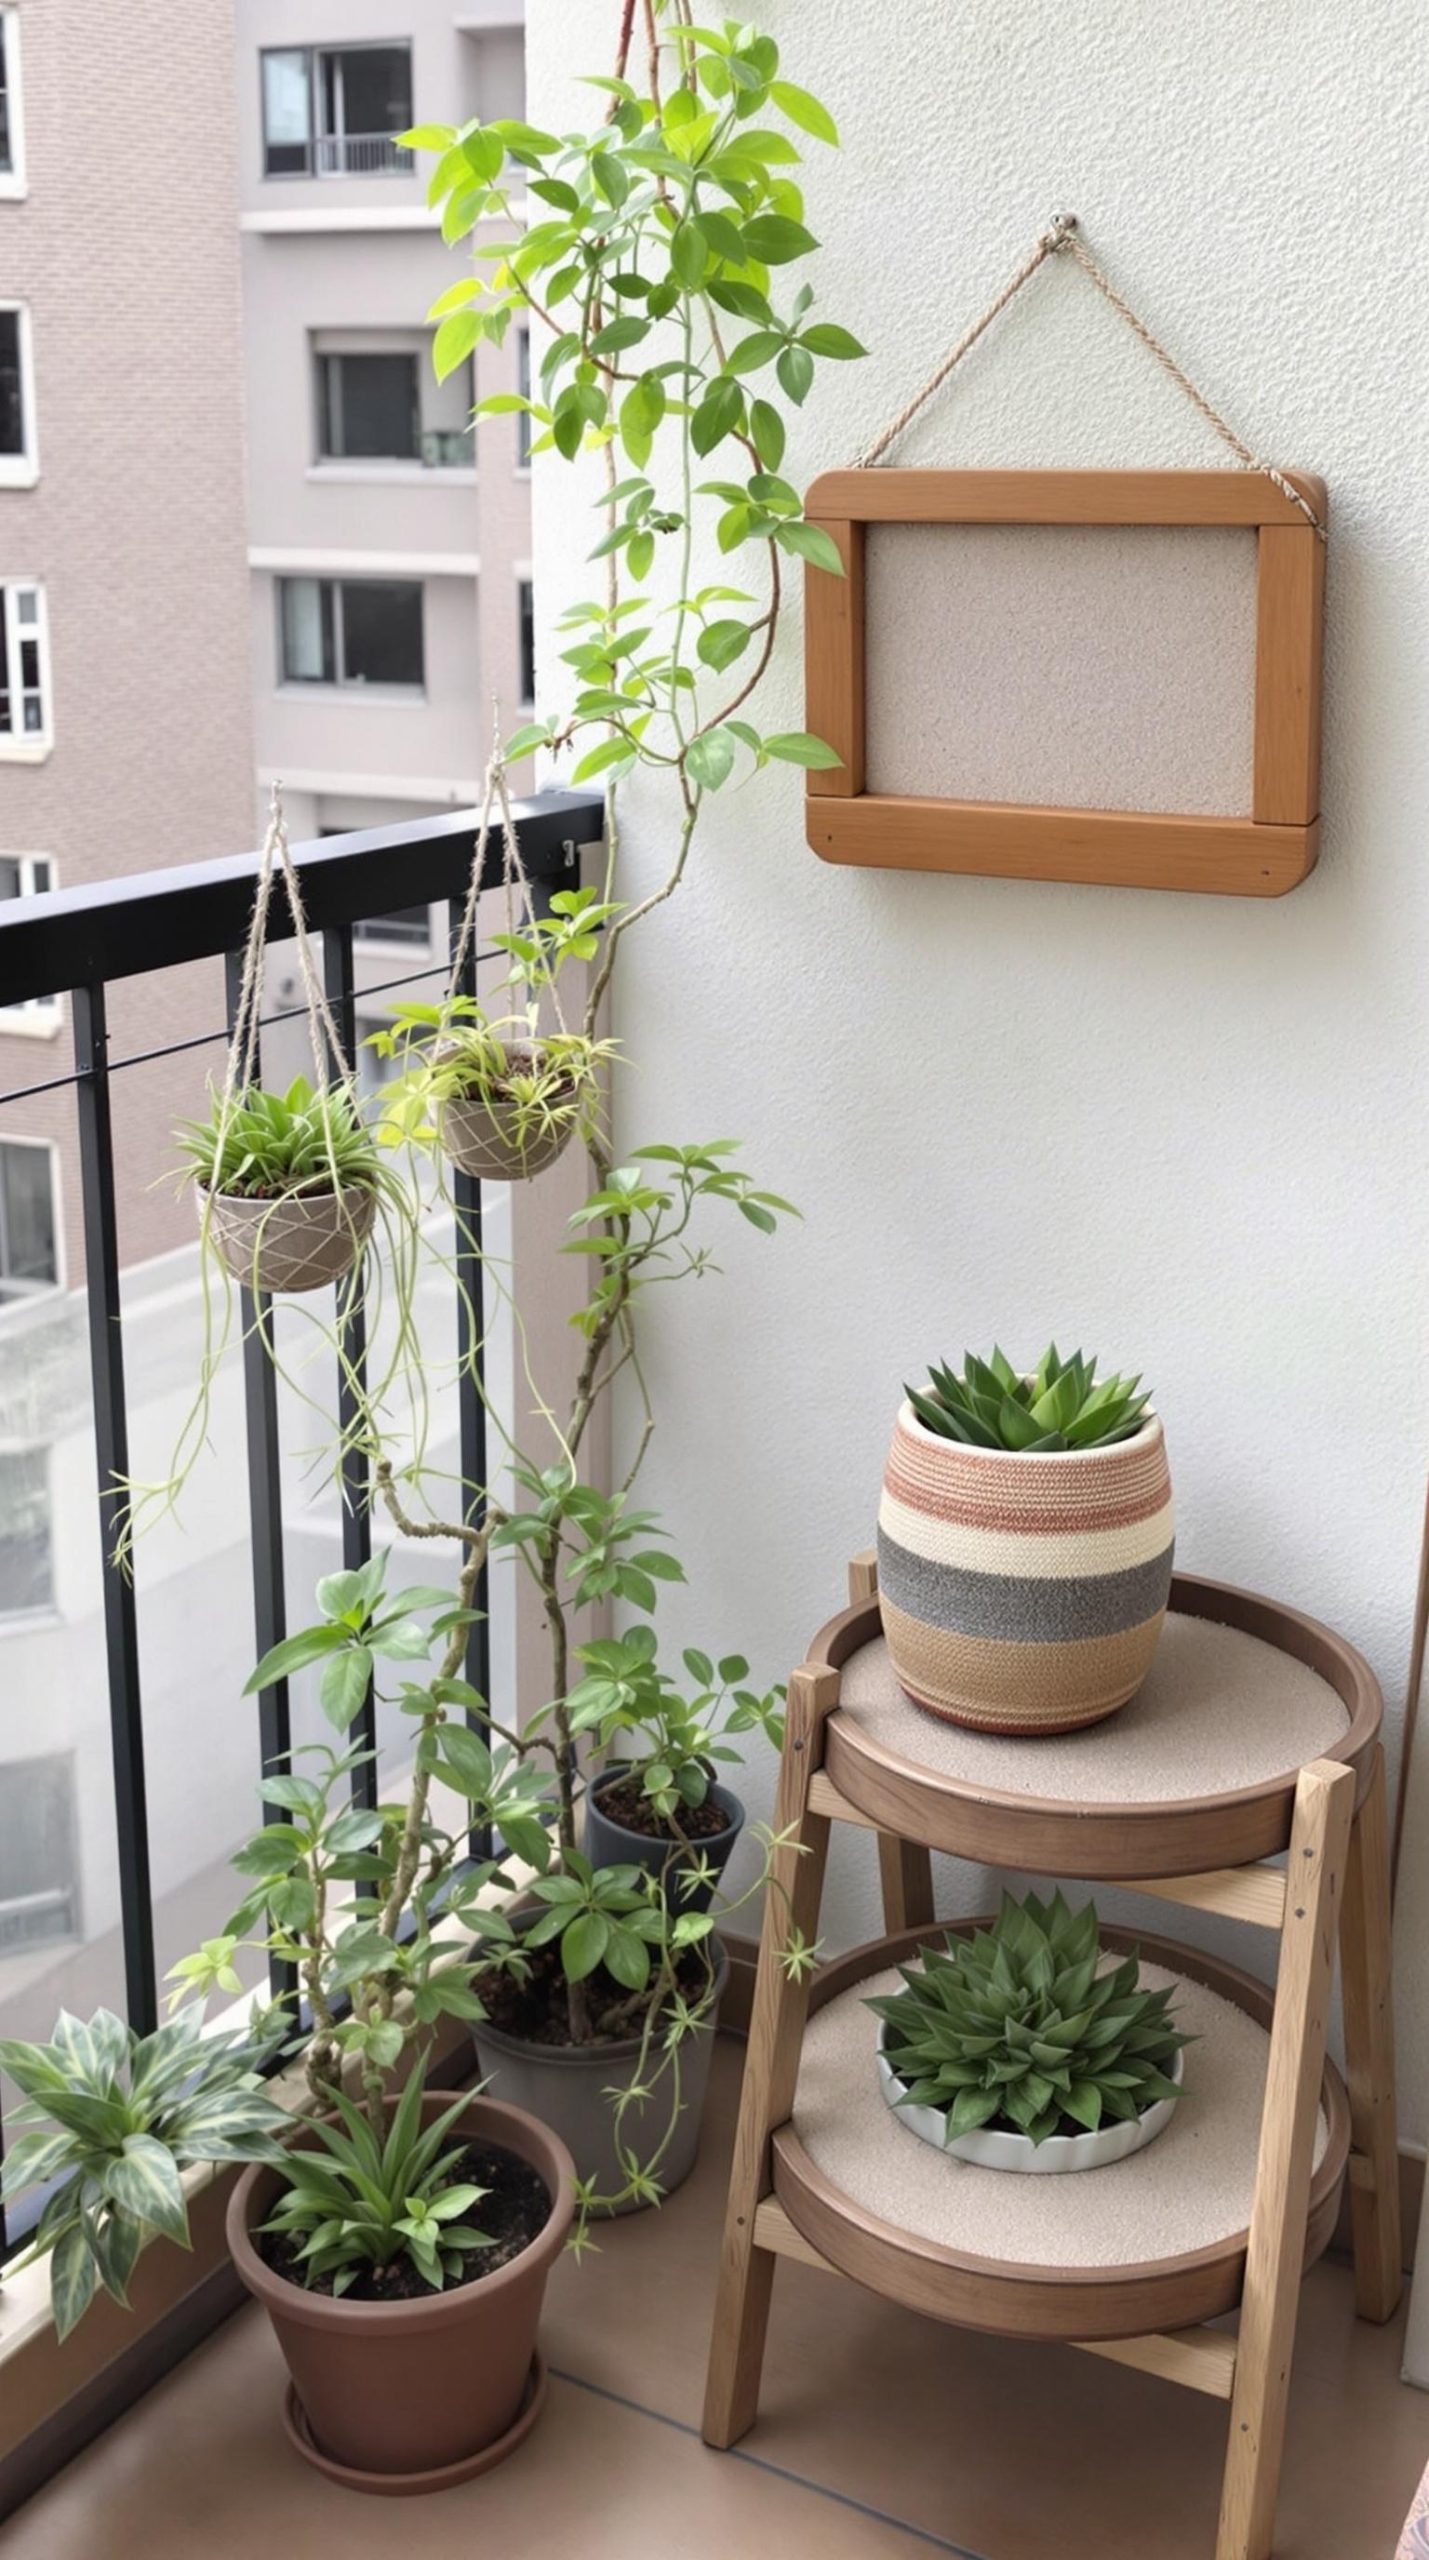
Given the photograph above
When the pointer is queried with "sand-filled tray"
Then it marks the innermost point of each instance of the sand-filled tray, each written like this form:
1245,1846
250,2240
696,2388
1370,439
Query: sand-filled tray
1153,2242
1199,1770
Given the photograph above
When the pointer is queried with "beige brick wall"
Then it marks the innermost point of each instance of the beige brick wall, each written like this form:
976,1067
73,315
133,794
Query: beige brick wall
126,249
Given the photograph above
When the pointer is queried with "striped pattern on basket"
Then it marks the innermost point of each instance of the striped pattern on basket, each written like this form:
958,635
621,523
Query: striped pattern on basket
1023,1594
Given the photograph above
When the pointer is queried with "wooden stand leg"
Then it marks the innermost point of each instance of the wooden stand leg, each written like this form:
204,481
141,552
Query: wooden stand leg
906,1872
1319,1849
771,2067
1369,2058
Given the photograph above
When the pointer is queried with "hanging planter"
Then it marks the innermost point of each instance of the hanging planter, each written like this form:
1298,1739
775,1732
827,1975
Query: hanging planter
287,1185
506,1109
1026,1536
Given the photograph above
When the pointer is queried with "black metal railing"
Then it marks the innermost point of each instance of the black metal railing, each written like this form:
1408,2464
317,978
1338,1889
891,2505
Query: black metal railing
77,942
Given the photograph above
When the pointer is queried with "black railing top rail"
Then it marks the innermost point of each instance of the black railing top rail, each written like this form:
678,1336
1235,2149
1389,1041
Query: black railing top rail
109,929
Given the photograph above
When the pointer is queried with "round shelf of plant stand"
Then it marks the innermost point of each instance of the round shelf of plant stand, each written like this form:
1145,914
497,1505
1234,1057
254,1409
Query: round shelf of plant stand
1198,1771
1154,2242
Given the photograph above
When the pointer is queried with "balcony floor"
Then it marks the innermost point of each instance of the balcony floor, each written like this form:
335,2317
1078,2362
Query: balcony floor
881,2434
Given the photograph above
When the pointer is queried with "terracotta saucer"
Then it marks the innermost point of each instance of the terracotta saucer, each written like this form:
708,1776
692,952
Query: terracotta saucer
419,2484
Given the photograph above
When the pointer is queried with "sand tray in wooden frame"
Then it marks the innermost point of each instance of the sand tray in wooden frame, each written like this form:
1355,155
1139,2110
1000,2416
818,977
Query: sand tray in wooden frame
1261,855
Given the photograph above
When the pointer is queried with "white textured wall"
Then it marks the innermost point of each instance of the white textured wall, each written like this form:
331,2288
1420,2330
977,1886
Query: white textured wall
1188,1132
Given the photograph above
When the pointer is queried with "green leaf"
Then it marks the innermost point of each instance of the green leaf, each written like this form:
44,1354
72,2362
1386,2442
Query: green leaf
773,239
453,343
344,1685
145,2181
294,1654
826,339
767,428
717,414
812,544
795,746
626,331
73,2276
803,110
583,1945
709,758
688,252
795,369
720,643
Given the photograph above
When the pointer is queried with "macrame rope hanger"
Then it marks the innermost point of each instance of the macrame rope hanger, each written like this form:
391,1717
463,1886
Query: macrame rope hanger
1061,237
323,1032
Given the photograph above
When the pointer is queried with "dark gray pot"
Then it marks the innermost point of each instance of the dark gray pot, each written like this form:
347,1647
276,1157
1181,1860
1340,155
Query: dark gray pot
564,2087
609,1844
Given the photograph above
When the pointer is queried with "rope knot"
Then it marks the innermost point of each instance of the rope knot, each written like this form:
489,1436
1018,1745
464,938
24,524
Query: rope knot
1059,231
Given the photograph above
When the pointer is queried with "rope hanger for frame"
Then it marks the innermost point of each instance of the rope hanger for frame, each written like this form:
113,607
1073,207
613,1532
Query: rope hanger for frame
1061,237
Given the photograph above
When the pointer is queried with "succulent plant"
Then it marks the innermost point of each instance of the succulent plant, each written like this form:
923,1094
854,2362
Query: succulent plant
1063,1405
1029,2027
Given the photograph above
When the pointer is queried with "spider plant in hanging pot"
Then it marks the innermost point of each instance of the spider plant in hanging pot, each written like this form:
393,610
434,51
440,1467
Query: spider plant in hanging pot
288,1184
1025,1543
502,1099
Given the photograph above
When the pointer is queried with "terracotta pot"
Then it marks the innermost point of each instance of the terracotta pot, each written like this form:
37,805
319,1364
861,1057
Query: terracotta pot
609,1843
392,2393
301,1241
567,2085
480,1134
1023,1594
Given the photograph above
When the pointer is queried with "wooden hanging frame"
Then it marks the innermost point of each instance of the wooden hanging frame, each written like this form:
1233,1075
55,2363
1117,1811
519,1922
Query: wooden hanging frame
1261,855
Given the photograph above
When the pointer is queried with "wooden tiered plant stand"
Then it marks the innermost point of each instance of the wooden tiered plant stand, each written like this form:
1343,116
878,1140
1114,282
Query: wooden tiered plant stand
1238,1681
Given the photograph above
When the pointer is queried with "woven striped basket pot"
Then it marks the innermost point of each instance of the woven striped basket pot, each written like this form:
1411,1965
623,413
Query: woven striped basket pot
1023,1595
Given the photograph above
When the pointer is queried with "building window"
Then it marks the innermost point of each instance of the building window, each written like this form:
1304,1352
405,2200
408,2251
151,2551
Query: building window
523,385
351,631
29,1229
17,398
402,928
527,643
29,875
379,403
331,111
12,128
24,670
369,408
39,1866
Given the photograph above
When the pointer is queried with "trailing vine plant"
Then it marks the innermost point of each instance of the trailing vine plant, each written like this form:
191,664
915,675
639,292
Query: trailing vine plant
658,280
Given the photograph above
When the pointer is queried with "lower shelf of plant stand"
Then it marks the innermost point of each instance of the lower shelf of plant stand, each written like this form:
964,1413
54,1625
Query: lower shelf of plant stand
1153,2243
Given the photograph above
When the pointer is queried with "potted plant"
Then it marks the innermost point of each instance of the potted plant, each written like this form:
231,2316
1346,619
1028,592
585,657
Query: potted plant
503,1099
1026,1535
288,1183
1027,2047
108,2124
658,1805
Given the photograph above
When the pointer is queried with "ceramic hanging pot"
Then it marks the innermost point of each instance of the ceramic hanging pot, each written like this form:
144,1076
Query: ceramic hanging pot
302,1240
1023,1593
483,1133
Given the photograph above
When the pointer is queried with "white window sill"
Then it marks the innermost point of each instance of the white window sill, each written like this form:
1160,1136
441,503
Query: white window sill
18,472
45,1022
406,697
11,187
25,750
396,475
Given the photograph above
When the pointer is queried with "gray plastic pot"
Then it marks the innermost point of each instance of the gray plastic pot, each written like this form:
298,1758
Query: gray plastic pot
609,1844
564,2087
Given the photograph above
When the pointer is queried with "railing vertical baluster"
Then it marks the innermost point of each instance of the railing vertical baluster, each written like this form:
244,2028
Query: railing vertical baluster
352,1371
471,1408
111,1436
265,1520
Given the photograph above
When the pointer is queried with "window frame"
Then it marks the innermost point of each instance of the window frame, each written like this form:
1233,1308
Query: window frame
402,165
21,470
21,1293
35,1017
323,358
524,420
27,746
525,639
339,682
13,181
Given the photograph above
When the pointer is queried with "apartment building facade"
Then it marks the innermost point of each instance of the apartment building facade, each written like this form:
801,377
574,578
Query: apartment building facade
389,549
